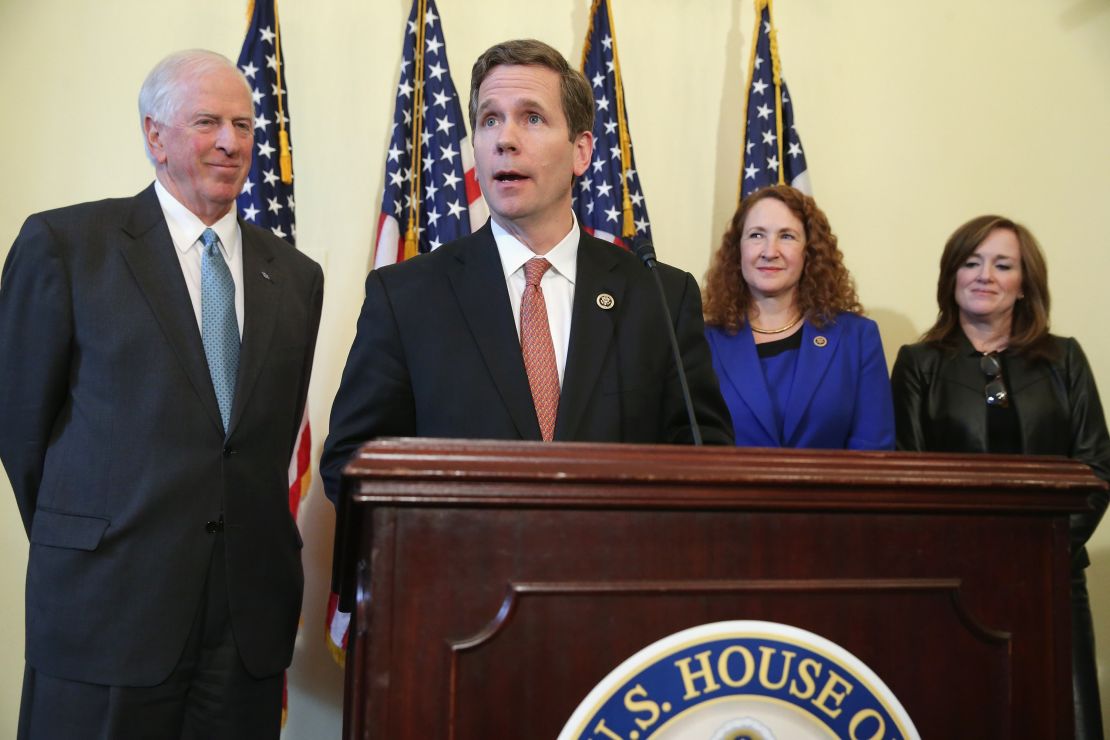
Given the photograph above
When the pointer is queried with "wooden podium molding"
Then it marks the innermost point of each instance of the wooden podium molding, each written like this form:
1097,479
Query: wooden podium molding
493,584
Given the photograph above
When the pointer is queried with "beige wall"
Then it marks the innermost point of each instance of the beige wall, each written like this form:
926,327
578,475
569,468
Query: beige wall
915,117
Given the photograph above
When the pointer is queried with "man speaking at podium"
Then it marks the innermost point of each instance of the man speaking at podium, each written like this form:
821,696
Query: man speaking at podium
528,328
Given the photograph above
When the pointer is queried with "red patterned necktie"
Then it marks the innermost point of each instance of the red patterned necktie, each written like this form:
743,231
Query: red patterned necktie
538,349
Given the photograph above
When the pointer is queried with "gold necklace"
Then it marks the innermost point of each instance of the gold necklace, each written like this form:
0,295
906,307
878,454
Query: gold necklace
788,327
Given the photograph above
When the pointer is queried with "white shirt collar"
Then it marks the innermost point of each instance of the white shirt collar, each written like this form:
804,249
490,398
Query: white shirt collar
563,256
185,228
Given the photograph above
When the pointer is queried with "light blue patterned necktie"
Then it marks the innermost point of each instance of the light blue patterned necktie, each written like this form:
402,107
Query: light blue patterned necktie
219,326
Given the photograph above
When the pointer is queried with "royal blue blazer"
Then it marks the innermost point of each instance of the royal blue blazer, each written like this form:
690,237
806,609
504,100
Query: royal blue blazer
841,396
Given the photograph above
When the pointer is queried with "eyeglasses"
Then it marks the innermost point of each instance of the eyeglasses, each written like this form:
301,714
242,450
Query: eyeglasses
995,390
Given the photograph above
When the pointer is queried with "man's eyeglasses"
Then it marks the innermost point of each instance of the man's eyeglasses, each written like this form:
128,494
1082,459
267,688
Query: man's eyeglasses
995,390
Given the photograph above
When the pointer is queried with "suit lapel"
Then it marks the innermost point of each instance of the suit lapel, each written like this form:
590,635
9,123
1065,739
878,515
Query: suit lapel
963,373
741,369
591,331
262,286
479,284
814,358
150,255
1020,373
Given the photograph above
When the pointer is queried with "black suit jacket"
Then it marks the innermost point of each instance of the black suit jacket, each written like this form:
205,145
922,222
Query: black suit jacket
112,439
437,355
940,406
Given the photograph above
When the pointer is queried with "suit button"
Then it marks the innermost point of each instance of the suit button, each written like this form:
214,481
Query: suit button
213,527
228,451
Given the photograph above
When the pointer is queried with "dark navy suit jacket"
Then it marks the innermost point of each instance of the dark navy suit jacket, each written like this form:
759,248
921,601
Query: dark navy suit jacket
841,395
437,355
112,439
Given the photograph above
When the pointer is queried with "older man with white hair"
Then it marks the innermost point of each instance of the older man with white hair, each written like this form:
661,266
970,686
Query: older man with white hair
156,360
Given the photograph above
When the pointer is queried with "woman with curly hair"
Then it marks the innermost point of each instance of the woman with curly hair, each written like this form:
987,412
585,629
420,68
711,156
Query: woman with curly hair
989,377
799,365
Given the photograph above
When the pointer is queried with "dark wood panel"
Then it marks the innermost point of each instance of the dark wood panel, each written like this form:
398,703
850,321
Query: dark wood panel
606,627
496,590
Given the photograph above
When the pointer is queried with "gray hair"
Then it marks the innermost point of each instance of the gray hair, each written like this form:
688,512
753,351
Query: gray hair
161,93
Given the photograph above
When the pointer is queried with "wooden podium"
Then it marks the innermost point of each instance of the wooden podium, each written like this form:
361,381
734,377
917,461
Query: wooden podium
494,584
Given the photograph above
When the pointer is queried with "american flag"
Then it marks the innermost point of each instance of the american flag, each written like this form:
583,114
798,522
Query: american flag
605,207
772,149
267,196
430,189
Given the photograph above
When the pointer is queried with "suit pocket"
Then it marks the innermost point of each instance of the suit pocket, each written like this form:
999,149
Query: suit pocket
75,531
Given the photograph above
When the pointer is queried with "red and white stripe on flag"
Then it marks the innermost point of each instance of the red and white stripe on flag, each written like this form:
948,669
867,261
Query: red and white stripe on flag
389,245
300,466
429,180
338,625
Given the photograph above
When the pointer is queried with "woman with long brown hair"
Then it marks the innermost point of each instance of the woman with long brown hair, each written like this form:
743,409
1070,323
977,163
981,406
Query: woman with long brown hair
799,365
989,377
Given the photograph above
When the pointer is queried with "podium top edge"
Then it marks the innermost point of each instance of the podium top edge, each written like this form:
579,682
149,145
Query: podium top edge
403,459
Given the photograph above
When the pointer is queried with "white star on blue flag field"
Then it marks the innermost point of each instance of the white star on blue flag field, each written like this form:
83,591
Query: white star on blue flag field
599,192
266,201
761,144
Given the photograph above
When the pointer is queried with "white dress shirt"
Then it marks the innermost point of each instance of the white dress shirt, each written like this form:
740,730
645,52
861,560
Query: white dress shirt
557,283
185,230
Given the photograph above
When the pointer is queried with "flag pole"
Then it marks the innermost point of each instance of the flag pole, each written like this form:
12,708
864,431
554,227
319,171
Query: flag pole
747,92
628,229
411,233
286,154
776,73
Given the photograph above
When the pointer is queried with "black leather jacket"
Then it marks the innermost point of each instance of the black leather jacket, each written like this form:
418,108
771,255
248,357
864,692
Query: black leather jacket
939,406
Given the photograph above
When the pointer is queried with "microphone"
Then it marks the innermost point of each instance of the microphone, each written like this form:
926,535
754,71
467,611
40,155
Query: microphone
644,249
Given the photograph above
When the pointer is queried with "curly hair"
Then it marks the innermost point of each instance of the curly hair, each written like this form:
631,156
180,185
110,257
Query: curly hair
1029,331
824,289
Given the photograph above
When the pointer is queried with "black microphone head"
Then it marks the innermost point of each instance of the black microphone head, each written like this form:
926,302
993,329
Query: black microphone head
644,249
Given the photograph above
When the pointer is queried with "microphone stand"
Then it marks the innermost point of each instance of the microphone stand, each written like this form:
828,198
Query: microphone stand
646,252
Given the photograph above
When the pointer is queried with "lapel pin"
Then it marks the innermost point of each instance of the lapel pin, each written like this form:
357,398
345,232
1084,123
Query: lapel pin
605,301
820,341
267,276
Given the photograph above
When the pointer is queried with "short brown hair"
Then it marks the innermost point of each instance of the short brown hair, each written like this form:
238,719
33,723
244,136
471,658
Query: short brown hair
574,91
1029,331
825,288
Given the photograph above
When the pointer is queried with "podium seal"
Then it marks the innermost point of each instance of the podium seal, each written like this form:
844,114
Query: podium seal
741,680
